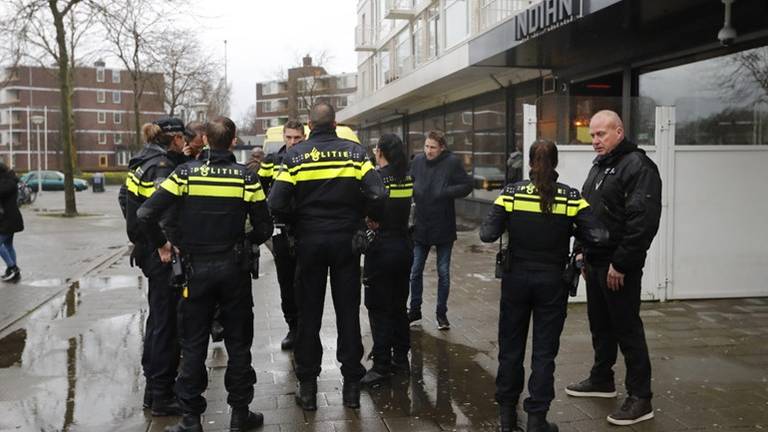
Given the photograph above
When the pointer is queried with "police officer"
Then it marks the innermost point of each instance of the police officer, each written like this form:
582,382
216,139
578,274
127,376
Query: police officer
540,215
160,358
282,242
386,270
214,195
324,186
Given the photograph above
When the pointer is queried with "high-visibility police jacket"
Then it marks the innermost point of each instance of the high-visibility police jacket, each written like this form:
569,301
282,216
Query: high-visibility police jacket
394,219
269,167
540,240
327,185
214,196
146,171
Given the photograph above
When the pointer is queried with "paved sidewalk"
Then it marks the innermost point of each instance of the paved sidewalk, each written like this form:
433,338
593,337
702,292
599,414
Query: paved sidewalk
74,364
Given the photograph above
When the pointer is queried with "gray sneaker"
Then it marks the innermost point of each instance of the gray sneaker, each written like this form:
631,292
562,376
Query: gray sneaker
633,410
442,323
588,388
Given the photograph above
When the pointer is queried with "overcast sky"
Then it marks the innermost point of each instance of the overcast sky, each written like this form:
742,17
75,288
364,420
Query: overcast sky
265,35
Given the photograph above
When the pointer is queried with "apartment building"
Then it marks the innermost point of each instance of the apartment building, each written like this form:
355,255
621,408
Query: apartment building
103,112
687,77
279,100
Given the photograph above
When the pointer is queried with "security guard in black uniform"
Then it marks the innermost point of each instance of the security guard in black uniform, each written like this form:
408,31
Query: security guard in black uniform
324,185
386,272
148,169
214,196
282,242
539,215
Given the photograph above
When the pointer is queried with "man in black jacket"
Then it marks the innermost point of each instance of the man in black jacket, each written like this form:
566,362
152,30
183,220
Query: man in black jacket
624,189
438,179
326,185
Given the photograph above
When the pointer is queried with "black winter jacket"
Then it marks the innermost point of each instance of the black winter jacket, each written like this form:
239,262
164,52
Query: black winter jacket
436,184
10,216
624,190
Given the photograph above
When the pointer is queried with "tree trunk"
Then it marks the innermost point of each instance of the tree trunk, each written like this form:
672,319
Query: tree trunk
65,83
136,114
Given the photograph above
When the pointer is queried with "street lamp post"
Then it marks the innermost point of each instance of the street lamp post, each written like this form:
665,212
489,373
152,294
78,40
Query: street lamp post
37,120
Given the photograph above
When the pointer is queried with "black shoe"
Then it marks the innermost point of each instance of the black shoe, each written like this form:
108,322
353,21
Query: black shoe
8,271
508,419
350,394
537,422
188,423
414,315
245,420
400,365
13,276
375,377
217,331
147,404
588,388
442,323
287,342
306,395
633,410
165,406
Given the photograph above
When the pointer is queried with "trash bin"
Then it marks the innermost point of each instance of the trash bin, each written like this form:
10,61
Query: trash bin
97,182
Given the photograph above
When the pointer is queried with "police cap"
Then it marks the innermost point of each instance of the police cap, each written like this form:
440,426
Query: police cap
170,124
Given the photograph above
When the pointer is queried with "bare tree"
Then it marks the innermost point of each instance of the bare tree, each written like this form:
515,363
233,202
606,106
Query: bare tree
743,77
248,124
45,30
216,94
305,82
186,69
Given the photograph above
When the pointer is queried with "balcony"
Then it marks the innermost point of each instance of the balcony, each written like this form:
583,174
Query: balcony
400,9
364,39
494,12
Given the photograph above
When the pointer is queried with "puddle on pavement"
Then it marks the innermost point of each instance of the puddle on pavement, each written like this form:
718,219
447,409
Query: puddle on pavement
84,381
46,282
446,385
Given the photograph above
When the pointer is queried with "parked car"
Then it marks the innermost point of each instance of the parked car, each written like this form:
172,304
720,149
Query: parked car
488,178
51,180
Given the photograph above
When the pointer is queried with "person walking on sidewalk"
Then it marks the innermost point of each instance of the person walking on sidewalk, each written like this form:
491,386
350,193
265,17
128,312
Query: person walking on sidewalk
624,188
438,180
11,222
325,186
540,215
387,266
214,196
283,242
160,358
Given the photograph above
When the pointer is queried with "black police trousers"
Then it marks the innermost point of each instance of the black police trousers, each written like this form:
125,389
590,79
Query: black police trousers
160,358
216,279
386,275
287,278
614,321
524,292
317,255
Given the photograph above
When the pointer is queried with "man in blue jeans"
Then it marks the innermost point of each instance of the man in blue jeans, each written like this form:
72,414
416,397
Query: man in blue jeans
439,178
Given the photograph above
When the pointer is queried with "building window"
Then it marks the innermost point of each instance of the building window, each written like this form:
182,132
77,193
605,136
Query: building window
116,76
116,97
99,74
103,161
719,101
101,117
123,157
117,118
102,137
341,101
457,20
118,137
101,96
492,168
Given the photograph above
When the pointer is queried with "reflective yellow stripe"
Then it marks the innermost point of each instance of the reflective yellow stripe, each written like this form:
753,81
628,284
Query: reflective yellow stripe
216,179
535,207
536,197
574,207
400,193
330,164
328,173
367,166
285,176
221,191
265,171
268,165
505,201
255,196
171,185
138,187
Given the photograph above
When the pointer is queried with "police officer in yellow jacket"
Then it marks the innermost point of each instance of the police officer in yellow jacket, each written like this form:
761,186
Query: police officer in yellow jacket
325,185
160,358
540,216
214,195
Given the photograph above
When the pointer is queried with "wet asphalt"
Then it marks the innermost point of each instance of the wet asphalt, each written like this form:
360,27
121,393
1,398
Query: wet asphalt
71,333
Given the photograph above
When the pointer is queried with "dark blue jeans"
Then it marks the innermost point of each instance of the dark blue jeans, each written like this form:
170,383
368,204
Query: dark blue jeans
7,252
543,295
420,253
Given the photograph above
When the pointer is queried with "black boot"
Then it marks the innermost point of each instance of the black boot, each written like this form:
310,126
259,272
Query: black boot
287,342
508,419
537,422
350,394
188,423
375,376
245,420
306,395
165,404
147,404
